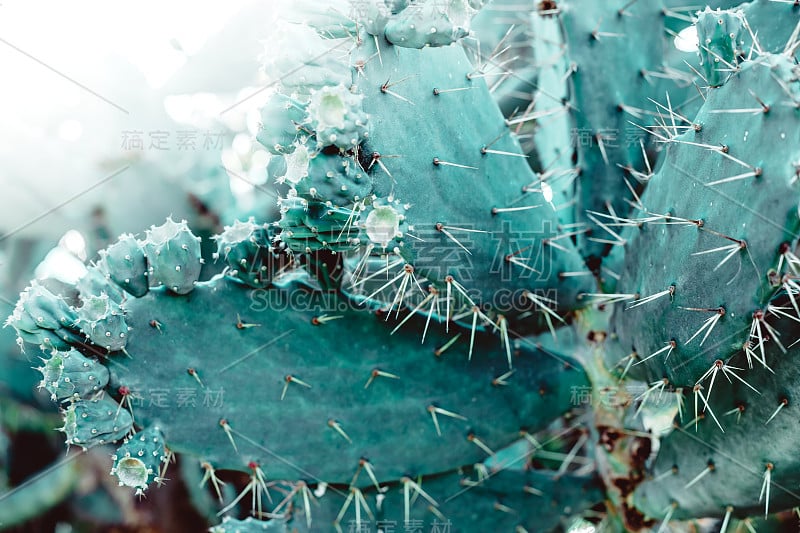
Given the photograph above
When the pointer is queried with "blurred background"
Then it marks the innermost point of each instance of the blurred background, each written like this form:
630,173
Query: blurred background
114,117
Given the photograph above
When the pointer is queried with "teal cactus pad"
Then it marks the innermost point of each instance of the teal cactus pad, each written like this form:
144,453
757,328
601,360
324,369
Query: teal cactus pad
756,434
745,219
280,357
468,174
504,501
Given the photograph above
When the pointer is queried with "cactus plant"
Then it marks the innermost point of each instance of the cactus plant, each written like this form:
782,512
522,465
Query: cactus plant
439,330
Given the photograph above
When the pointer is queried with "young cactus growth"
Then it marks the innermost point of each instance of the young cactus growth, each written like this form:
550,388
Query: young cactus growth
335,114
251,252
126,263
102,320
173,253
89,422
66,375
138,461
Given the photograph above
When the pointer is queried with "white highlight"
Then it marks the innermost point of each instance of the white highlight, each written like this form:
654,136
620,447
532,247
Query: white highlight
686,40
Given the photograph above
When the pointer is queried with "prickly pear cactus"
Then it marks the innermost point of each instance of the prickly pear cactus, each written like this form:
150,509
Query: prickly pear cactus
580,315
